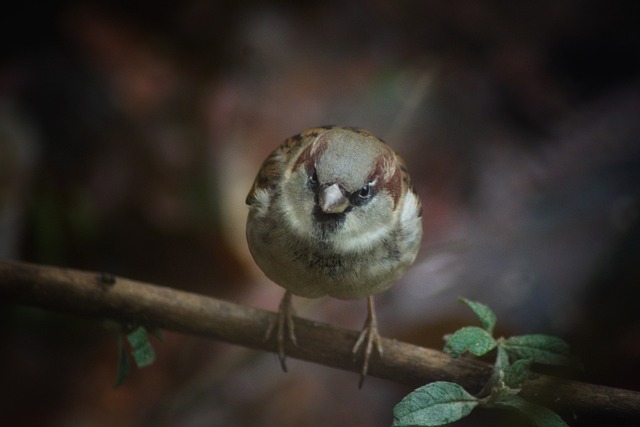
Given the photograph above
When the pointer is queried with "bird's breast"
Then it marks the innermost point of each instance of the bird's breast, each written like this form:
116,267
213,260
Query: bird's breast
312,267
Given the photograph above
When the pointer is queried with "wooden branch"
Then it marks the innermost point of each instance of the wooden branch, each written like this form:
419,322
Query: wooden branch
106,296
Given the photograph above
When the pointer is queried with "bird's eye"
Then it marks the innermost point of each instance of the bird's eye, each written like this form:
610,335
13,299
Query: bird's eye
365,191
312,181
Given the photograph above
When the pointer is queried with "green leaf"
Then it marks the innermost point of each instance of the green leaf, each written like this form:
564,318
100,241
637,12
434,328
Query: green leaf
434,404
485,314
502,359
516,374
141,348
538,415
539,348
470,338
123,363
497,375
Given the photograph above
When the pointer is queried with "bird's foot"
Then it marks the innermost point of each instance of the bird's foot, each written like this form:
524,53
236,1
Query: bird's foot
368,337
283,321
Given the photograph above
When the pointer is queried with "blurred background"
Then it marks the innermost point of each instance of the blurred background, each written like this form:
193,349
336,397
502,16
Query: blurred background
130,133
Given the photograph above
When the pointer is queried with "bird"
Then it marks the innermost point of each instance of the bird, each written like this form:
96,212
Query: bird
332,212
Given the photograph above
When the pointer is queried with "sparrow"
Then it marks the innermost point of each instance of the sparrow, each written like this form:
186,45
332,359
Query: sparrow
332,212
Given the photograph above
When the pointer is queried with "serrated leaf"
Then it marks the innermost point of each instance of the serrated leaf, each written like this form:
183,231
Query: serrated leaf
123,363
470,338
434,404
517,373
141,348
538,415
485,314
539,348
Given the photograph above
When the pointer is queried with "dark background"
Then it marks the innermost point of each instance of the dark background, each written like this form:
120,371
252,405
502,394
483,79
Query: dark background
130,133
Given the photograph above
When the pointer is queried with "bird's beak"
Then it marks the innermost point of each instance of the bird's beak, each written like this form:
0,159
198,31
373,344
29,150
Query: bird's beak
332,200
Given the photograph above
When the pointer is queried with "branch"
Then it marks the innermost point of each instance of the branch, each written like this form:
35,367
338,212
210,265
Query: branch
106,296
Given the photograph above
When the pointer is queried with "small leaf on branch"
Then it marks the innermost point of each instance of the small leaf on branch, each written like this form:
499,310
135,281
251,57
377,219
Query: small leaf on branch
497,376
516,374
470,338
539,348
502,357
141,348
485,314
434,404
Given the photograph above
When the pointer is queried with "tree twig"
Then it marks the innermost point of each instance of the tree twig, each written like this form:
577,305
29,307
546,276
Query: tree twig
103,295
